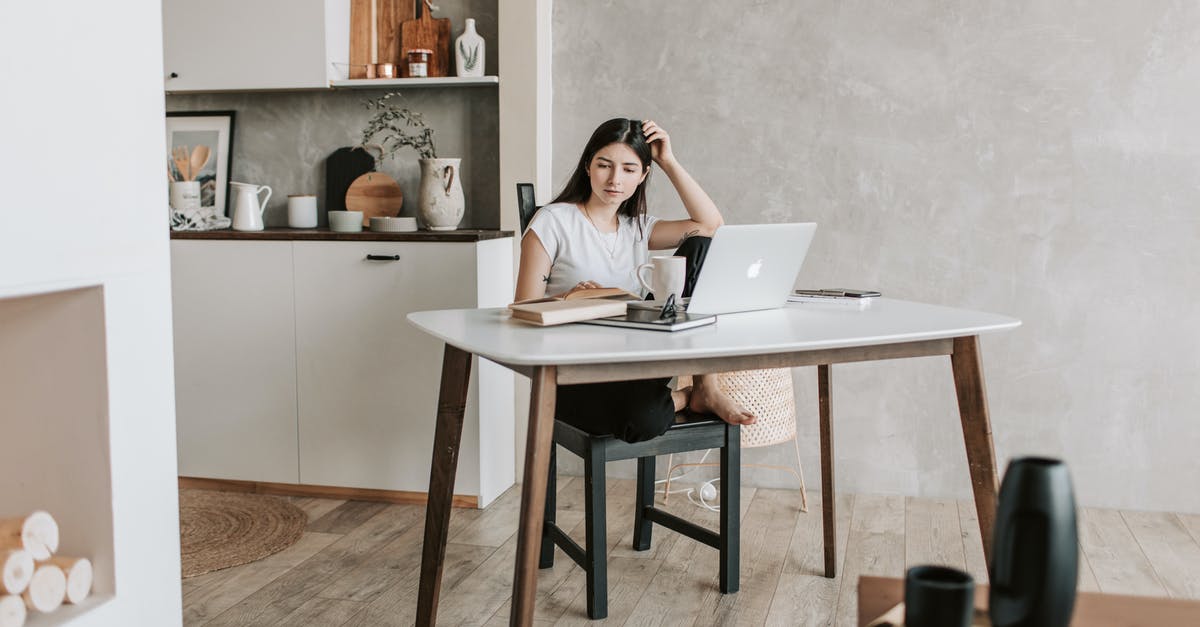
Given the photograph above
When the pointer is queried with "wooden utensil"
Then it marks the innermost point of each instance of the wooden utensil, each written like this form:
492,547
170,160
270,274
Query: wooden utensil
388,16
426,32
180,156
374,194
198,160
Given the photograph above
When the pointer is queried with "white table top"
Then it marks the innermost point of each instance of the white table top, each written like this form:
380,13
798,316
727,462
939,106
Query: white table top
491,333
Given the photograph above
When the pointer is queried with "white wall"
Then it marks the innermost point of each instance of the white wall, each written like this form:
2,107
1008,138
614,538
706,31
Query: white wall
82,202
1036,158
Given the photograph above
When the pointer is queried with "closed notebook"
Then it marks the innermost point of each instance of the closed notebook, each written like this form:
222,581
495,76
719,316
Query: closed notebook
550,312
650,320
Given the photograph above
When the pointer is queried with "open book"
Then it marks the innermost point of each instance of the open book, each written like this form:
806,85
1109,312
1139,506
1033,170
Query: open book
600,302
607,293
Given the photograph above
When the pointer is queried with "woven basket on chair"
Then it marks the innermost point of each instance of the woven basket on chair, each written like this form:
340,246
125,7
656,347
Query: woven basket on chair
768,395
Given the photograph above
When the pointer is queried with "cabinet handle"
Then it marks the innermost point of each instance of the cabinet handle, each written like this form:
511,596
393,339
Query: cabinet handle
383,257
174,75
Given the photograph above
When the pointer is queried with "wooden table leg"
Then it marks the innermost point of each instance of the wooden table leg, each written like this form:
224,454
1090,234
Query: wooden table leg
977,433
533,493
828,500
452,405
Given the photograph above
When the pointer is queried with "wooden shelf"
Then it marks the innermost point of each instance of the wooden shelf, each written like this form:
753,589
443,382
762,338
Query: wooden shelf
444,81
281,233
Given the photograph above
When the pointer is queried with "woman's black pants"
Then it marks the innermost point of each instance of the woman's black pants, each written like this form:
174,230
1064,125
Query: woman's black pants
630,410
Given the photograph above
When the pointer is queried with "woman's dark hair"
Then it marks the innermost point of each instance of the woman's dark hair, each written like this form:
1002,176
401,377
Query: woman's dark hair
614,131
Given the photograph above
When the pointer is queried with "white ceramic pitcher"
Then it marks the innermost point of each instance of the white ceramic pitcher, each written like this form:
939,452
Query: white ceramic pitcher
247,209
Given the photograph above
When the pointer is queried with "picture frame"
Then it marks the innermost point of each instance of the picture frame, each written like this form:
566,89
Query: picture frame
188,129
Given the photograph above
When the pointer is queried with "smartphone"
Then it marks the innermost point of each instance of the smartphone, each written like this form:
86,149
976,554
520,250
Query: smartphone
839,293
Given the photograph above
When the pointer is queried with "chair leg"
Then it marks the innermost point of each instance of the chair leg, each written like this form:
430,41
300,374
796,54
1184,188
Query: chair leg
800,467
546,559
731,508
595,548
645,498
667,487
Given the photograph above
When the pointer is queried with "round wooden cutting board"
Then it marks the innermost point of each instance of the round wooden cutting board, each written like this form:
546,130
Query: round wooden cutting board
375,194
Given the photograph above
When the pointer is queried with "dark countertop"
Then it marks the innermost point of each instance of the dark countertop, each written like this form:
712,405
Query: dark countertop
286,234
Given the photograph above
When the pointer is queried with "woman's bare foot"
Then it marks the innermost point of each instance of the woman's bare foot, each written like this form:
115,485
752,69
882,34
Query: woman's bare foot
680,398
706,398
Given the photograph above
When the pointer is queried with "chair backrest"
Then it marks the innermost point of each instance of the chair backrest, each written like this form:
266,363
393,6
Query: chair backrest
526,203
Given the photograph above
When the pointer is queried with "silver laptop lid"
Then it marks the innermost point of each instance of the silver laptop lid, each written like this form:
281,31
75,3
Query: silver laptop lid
750,267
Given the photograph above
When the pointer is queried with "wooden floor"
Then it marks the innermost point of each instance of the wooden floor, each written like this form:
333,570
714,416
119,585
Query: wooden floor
358,563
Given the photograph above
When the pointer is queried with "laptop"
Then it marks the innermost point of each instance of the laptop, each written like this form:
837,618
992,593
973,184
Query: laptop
748,267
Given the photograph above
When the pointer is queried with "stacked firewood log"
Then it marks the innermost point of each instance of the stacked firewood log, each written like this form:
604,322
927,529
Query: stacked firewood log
32,577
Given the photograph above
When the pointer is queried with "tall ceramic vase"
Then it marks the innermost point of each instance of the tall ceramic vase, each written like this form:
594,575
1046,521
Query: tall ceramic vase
441,203
469,51
1035,553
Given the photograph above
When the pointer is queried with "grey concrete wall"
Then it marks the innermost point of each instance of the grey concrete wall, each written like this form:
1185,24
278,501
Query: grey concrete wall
1033,158
282,139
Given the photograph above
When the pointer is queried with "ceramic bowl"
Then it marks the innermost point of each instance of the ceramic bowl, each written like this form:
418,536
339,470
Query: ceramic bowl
388,224
345,221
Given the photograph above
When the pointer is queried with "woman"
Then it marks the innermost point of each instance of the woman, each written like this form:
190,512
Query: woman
595,234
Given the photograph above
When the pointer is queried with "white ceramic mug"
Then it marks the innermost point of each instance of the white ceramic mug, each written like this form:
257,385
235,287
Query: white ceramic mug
302,211
667,276
185,195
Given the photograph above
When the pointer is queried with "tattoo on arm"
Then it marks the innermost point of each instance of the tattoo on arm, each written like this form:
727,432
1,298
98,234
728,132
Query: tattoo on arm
685,237
545,278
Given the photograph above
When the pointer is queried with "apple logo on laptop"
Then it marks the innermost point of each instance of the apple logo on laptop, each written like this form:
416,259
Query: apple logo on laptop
753,270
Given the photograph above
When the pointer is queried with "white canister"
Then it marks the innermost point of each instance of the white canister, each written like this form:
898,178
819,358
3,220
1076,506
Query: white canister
302,211
185,195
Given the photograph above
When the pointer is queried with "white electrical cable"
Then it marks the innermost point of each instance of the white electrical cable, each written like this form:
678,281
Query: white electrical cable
686,473
706,488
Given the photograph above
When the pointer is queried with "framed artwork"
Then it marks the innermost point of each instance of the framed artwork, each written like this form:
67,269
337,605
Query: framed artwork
200,148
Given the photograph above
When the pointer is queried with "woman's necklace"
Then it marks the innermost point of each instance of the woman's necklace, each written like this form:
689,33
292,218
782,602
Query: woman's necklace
610,247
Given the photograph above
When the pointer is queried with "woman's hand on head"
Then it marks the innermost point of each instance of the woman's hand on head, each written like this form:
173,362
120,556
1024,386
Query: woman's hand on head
660,143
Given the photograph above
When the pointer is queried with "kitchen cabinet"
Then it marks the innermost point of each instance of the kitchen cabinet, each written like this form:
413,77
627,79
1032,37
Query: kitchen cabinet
235,360
353,386
230,45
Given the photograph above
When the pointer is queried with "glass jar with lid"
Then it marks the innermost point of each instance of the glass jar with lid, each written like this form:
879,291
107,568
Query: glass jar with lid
418,62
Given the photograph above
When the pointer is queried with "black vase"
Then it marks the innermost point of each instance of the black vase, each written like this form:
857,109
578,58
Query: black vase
1035,553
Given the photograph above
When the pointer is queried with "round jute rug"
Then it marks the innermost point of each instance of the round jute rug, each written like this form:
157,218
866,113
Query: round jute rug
222,529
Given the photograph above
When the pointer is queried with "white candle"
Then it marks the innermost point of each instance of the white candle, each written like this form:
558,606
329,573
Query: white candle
374,33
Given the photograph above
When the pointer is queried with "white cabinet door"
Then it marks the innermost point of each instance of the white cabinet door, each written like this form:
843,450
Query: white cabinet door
368,380
220,45
235,365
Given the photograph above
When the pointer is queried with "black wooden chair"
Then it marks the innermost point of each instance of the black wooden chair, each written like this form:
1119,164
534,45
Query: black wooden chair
596,451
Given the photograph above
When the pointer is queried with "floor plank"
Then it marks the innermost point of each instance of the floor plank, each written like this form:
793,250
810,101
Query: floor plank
315,507
1115,557
365,570
210,594
1171,550
321,611
285,594
972,541
347,516
766,532
876,547
1087,578
932,533
803,595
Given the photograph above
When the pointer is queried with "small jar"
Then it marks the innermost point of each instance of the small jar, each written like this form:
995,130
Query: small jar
418,62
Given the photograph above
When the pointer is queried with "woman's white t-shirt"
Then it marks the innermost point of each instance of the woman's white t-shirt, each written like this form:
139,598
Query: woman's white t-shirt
580,252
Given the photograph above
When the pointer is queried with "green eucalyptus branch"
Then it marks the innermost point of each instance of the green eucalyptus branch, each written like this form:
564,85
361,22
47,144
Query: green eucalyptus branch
395,127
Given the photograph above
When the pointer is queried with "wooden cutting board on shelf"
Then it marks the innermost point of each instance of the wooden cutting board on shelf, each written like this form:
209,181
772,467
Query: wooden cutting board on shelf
388,14
375,194
426,32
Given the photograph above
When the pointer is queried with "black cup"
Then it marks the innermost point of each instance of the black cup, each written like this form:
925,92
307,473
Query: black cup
938,596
